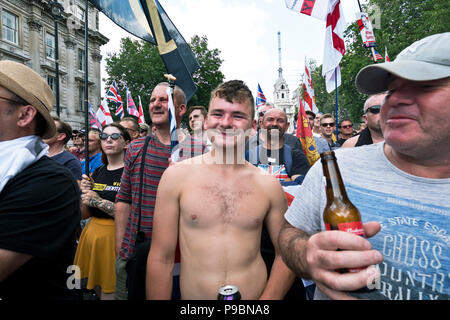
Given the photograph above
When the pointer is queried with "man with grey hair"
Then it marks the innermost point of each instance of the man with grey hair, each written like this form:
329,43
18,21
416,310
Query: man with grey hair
131,209
372,133
40,207
400,187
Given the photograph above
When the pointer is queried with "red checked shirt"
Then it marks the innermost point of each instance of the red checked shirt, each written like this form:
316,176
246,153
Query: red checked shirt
155,163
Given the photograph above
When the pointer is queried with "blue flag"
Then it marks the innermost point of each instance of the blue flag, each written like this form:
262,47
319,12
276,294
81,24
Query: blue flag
146,19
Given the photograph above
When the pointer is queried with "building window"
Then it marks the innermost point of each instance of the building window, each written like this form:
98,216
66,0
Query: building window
81,57
51,81
81,98
282,96
80,13
282,87
10,27
50,46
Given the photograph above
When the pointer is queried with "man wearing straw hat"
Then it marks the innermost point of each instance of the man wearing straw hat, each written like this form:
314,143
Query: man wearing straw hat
39,198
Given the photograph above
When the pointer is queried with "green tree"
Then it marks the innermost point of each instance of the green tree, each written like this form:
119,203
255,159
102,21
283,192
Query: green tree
401,23
139,66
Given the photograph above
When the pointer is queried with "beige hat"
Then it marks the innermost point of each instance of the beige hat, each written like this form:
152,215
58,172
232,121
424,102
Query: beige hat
31,87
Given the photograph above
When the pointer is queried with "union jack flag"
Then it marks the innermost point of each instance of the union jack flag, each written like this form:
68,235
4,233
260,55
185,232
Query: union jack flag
277,171
114,96
93,121
260,98
131,106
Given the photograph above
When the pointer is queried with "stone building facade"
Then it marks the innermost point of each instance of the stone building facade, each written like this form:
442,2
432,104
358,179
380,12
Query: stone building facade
28,36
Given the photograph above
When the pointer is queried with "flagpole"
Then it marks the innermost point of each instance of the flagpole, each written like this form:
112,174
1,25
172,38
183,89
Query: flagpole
86,90
337,116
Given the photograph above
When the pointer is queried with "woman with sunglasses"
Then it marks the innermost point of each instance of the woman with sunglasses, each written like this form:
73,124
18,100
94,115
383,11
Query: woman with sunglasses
95,254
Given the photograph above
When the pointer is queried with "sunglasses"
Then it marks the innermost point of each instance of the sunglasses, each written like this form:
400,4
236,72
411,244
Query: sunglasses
347,126
374,109
329,124
114,136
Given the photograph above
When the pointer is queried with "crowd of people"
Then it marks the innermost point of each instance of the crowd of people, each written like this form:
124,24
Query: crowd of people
134,225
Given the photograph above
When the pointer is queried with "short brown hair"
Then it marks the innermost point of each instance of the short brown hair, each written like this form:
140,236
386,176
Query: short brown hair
63,127
235,90
201,108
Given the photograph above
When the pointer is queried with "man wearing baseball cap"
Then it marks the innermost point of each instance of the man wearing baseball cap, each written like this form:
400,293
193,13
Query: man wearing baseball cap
39,210
401,187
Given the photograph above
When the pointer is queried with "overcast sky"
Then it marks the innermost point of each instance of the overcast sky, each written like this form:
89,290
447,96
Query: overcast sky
245,31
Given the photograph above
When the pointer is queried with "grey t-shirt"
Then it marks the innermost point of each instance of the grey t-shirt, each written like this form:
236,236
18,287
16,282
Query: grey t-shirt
413,212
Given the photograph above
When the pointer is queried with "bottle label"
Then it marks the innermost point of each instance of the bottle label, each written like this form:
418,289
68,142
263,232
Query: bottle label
355,227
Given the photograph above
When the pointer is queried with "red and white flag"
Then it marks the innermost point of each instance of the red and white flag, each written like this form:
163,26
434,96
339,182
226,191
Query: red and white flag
334,45
141,112
308,94
330,11
314,8
131,106
103,113
386,57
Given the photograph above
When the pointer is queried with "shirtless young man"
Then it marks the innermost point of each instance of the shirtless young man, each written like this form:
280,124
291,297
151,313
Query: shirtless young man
216,205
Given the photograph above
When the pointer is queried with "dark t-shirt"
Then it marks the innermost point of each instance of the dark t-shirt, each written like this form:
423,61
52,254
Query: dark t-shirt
70,162
106,184
39,214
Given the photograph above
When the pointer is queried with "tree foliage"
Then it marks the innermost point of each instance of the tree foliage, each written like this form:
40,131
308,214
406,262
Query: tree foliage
401,23
139,66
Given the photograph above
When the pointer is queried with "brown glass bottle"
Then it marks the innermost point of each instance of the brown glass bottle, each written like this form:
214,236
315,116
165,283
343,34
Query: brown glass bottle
340,213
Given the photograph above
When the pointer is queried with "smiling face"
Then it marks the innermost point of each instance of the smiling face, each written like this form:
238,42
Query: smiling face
227,123
159,103
415,115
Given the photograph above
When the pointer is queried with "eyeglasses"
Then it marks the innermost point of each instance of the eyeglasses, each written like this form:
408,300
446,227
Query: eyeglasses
347,126
374,109
114,136
329,124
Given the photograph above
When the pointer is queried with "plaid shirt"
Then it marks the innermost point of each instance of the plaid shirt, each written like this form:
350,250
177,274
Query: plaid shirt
156,162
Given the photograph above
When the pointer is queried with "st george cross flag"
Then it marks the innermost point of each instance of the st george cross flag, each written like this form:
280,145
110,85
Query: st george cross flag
141,112
378,56
305,135
103,113
366,30
173,127
308,93
331,12
386,57
131,107
334,45
260,98
93,121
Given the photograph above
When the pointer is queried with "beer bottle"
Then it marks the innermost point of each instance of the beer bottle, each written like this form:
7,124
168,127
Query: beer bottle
340,213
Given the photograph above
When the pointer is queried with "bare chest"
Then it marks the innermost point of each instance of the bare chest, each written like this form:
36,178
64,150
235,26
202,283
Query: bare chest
214,203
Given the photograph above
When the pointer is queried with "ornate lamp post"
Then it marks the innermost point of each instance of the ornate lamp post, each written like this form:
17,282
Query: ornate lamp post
56,11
